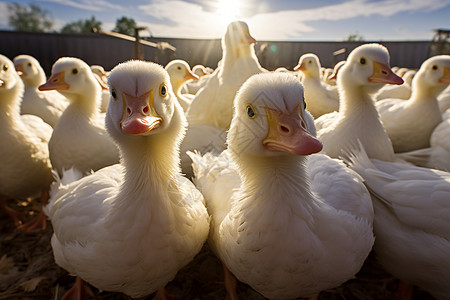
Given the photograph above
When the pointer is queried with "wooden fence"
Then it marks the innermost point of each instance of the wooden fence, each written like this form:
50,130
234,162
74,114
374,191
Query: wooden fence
108,51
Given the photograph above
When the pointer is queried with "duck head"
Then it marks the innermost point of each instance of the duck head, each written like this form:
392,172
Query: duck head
142,103
270,118
367,67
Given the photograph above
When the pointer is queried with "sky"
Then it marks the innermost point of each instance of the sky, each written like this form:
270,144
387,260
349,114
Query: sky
268,20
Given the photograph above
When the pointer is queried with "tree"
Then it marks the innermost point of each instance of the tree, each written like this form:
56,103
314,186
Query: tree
29,18
82,26
354,37
125,25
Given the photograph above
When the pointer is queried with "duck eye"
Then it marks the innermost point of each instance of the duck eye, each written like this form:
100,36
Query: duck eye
434,67
362,61
74,71
304,104
250,112
113,93
163,90
179,68
29,64
5,68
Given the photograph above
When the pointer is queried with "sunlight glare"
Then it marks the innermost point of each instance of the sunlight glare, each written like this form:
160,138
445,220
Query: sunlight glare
228,10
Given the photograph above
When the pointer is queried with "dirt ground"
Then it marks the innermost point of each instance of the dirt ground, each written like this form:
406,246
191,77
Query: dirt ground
28,272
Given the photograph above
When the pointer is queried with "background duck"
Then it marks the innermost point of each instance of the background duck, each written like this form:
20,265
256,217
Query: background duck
412,237
214,102
48,106
79,138
364,72
25,165
444,100
180,72
319,99
272,203
410,123
402,91
437,155
130,227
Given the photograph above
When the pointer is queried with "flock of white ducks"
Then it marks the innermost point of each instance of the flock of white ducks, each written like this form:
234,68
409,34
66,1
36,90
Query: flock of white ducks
272,182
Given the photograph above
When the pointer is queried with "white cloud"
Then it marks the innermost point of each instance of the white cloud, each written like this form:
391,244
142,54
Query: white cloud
173,21
183,19
92,5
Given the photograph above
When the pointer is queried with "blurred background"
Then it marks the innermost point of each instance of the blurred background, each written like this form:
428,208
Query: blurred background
109,32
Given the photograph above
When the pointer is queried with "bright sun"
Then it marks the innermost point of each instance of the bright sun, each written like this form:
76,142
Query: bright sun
228,10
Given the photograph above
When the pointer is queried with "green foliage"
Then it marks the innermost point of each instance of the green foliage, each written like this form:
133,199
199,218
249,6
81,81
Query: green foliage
82,26
29,18
354,37
125,25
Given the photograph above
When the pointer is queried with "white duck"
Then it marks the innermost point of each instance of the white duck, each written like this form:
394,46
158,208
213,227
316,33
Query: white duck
287,223
319,99
444,100
79,138
25,165
130,227
193,86
410,123
402,91
412,213
48,106
180,72
200,70
365,71
101,75
214,102
437,155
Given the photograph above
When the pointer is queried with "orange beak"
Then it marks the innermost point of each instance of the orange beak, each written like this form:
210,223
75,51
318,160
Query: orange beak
139,115
382,73
100,81
55,82
190,75
20,71
249,38
446,77
300,67
288,133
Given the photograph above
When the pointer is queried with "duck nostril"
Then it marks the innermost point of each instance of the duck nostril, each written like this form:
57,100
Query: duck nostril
146,109
384,72
284,129
128,110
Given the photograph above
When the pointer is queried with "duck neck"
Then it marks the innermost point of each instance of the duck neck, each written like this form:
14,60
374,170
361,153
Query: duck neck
355,99
176,86
281,180
150,166
85,103
425,93
232,54
10,111
152,162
